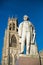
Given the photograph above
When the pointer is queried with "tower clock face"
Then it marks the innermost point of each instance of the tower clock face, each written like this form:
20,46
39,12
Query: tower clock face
13,41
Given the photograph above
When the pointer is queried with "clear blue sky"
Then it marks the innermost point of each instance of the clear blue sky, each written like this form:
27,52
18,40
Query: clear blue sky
18,8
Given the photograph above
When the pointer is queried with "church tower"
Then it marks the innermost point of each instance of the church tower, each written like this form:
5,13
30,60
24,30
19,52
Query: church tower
11,43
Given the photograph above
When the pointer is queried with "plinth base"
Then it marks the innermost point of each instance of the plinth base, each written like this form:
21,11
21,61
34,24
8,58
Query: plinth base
28,60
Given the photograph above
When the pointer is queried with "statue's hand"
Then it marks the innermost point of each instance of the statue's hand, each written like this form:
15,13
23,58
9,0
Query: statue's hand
32,42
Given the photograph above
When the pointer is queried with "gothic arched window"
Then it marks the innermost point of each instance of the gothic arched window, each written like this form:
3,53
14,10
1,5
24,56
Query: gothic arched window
13,41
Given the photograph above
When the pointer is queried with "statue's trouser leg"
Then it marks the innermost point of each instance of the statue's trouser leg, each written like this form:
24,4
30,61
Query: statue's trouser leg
27,42
23,42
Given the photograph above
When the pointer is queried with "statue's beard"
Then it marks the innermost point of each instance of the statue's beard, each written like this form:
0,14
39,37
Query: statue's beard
25,21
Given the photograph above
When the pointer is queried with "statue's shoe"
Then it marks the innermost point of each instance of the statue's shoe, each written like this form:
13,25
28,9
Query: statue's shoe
22,53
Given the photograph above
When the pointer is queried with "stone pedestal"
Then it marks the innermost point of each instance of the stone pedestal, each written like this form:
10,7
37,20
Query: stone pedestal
28,60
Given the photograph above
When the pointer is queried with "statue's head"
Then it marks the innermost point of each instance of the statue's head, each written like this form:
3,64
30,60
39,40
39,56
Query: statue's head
25,17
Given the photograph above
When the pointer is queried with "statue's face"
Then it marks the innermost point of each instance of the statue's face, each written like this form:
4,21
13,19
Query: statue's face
25,18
